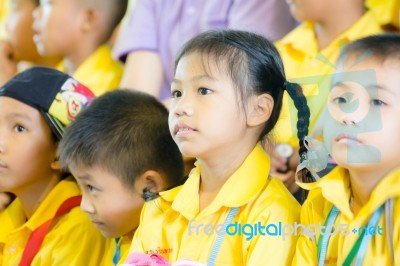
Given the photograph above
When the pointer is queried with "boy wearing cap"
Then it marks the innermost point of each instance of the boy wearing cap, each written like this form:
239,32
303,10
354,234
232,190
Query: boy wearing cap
44,224
79,31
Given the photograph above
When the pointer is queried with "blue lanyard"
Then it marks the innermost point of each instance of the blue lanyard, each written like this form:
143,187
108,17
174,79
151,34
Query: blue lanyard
117,252
218,242
365,238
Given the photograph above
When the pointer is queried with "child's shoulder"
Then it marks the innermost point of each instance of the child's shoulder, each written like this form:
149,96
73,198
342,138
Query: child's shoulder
274,202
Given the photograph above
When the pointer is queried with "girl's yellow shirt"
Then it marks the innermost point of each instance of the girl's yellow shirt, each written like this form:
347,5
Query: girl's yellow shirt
173,226
334,189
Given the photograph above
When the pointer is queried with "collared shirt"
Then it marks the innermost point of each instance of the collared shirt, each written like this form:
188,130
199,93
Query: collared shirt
72,240
386,11
123,244
334,189
312,69
173,226
164,26
99,72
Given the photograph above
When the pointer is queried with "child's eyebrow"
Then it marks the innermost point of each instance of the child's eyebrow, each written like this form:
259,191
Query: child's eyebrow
19,115
196,78
83,177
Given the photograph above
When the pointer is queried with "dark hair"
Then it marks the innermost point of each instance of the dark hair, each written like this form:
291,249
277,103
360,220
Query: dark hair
255,67
125,133
381,46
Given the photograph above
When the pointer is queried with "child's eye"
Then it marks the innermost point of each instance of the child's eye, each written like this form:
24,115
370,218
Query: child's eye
176,94
204,91
91,188
19,128
339,100
377,102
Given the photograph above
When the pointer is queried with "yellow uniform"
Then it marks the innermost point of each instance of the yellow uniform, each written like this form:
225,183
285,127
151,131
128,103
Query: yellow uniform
123,244
72,240
387,11
99,72
311,68
173,226
334,189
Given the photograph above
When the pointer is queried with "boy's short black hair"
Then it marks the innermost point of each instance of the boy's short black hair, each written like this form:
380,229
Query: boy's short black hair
125,133
381,46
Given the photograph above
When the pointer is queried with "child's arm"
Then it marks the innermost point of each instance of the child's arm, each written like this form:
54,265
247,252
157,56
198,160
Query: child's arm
306,249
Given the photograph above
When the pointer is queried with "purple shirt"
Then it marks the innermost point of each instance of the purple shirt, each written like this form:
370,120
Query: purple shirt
163,26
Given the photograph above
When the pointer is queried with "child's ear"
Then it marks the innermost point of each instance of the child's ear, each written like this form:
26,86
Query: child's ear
55,165
151,182
91,17
259,109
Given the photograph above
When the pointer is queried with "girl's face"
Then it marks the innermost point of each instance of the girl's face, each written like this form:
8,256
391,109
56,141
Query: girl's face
27,148
363,127
113,207
20,32
206,117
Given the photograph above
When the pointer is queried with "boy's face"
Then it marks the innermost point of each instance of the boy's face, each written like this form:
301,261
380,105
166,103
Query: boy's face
27,148
363,127
113,207
57,26
20,32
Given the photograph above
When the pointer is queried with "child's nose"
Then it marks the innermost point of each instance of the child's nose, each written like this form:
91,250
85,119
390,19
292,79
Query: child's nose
86,205
183,106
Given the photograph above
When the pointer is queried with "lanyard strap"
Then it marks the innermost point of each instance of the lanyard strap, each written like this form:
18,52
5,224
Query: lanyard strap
220,237
37,236
323,240
361,245
117,252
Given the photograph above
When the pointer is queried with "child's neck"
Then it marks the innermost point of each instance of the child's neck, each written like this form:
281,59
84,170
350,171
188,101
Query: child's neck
73,61
215,171
362,183
32,195
331,27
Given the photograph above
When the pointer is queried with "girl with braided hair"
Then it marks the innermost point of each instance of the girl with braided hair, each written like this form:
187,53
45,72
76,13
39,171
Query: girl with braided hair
226,98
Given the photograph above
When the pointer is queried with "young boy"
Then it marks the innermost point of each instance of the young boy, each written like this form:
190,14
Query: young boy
360,199
18,51
43,225
121,154
79,30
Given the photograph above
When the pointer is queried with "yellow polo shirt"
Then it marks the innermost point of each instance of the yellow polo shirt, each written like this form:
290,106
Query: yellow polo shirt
386,11
334,189
173,226
72,240
124,245
312,69
99,72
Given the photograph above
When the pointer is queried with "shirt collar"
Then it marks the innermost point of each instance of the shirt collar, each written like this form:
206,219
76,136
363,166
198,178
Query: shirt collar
247,181
335,187
366,25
